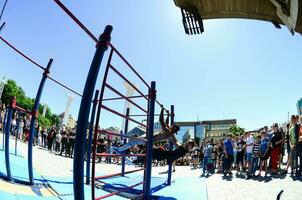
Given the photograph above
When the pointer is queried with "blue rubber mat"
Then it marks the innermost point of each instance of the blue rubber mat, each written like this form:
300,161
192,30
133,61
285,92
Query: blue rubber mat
64,188
18,167
184,188
117,183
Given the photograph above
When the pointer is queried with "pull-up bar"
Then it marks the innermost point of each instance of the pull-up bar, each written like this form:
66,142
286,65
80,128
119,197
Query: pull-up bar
121,98
143,115
39,66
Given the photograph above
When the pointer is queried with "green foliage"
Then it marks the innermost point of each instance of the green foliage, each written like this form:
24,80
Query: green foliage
237,130
12,89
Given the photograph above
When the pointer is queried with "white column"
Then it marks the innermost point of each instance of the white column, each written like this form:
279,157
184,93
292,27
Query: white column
44,109
67,109
129,92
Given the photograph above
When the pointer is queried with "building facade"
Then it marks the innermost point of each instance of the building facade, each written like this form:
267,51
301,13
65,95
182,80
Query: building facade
211,129
299,107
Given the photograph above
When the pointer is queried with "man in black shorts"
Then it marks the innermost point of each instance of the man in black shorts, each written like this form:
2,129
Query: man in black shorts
170,156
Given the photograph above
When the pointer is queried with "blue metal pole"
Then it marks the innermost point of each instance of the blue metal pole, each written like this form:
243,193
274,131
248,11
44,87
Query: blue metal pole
92,118
148,163
125,140
17,132
7,134
171,146
4,125
33,121
79,148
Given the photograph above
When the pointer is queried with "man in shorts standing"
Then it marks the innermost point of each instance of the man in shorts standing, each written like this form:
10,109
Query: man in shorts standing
249,152
229,155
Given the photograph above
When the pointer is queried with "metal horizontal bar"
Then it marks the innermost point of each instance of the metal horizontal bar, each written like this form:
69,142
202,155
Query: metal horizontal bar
64,86
119,155
120,135
130,66
125,79
76,20
22,110
122,115
118,174
120,94
119,191
144,115
120,98
22,54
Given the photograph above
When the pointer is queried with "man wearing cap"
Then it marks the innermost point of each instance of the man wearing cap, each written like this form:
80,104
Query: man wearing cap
276,141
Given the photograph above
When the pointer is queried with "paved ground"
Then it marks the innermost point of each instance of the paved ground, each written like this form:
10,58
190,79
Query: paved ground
218,188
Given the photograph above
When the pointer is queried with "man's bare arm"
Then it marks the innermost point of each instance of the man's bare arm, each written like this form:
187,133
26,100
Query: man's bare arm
162,122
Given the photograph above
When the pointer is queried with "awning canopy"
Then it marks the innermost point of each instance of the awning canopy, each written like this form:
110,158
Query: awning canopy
284,12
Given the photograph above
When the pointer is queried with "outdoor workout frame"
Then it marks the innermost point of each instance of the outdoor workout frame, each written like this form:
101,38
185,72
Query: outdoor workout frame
45,76
149,127
102,44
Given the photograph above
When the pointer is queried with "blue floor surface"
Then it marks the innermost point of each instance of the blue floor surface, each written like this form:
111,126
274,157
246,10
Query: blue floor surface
181,188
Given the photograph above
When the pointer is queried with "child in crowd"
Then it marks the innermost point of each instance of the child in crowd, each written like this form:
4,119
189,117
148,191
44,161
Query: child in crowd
207,150
264,153
256,154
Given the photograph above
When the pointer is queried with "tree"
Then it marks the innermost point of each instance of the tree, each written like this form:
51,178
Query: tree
12,89
237,130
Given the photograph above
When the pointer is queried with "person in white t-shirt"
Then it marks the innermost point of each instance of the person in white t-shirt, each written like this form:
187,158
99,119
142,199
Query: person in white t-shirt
20,131
249,152
13,127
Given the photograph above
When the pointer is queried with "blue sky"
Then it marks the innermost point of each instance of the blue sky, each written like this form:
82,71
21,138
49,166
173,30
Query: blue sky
240,69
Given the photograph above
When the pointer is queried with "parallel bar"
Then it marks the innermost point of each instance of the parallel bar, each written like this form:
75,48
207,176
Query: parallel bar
122,57
88,152
7,134
22,54
120,191
123,116
125,79
118,174
171,147
120,98
17,134
64,86
125,140
33,122
76,20
83,116
120,94
119,155
121,135
4,125
150,132
97,122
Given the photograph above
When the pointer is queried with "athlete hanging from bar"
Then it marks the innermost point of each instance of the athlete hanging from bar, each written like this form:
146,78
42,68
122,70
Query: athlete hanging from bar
166,133
179,151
